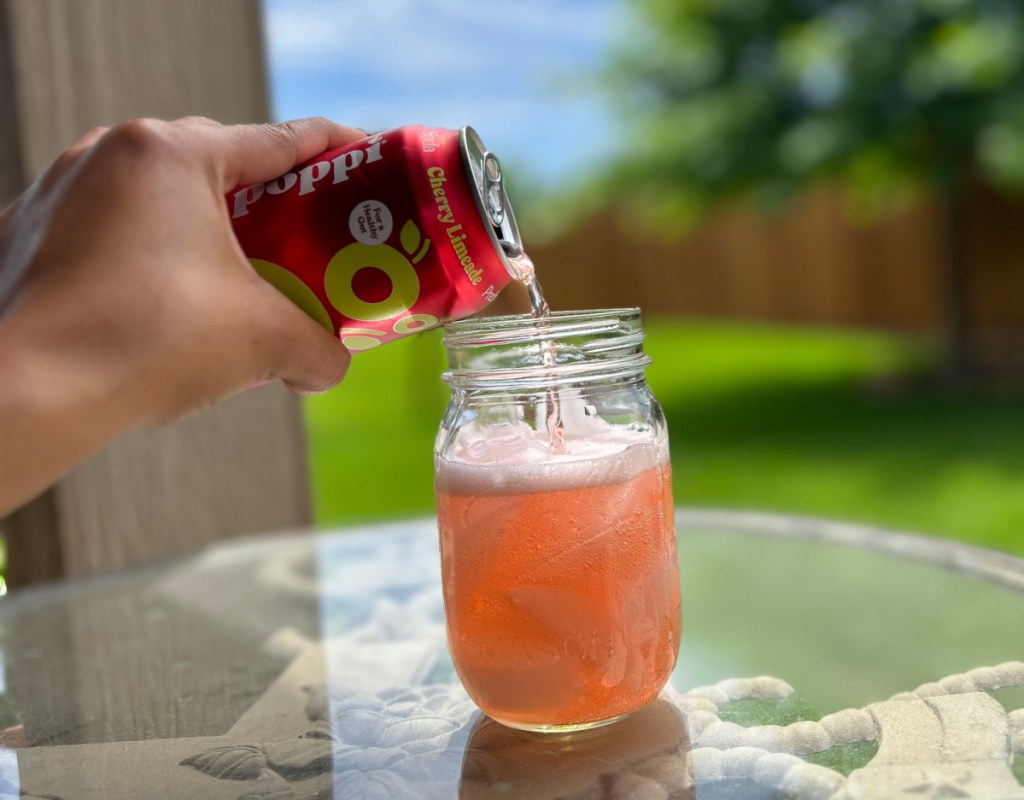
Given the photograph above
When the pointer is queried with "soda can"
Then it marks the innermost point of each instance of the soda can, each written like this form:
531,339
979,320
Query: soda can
384,237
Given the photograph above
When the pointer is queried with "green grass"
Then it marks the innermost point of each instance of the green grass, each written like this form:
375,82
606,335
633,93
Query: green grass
371,439
769,418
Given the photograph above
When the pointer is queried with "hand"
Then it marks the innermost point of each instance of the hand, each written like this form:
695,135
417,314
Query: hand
125,299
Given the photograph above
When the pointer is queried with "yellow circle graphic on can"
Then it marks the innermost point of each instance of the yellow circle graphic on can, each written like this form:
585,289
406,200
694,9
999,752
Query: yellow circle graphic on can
359,343
405,283
294,289
415,323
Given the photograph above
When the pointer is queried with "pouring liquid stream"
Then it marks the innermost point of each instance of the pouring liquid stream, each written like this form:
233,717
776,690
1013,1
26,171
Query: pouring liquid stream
539,309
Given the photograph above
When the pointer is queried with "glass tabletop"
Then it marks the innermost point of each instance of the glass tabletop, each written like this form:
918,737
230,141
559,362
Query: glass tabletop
818,660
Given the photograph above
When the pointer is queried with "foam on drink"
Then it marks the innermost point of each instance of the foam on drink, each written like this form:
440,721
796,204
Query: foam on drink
515,457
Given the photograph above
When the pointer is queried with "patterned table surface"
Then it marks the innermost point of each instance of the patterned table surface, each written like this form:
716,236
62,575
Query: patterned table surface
819,660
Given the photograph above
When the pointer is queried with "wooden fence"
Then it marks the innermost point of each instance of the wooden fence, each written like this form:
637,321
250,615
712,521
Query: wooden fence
812,264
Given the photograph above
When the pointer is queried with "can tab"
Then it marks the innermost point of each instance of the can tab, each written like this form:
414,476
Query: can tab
488,184
494,192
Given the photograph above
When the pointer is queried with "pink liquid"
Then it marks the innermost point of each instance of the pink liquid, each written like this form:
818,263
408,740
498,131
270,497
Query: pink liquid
539,309
561,585
527,274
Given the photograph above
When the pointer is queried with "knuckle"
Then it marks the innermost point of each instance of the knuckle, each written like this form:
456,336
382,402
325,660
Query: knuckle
316,122
281,136
279,131
196,120
291,130
138,136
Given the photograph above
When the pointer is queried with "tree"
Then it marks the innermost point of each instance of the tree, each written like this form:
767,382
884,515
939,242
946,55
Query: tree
758,99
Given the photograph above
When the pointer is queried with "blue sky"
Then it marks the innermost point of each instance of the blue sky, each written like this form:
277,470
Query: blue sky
517,71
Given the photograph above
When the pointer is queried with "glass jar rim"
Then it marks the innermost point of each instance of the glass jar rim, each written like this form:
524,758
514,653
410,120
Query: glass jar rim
513,352
512,328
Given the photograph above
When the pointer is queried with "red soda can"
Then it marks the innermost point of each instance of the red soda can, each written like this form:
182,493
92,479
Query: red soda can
385,237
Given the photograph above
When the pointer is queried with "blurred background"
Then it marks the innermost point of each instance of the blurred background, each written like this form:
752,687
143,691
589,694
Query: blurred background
818,205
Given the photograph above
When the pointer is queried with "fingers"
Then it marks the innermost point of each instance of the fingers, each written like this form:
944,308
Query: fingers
298,350
258,153
241,154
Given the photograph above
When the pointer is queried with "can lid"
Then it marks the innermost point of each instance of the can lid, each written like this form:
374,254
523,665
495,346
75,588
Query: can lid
488,185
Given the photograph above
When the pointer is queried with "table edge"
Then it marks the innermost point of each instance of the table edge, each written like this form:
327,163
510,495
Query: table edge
994,566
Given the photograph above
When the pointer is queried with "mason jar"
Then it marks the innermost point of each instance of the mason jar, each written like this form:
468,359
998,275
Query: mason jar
555,513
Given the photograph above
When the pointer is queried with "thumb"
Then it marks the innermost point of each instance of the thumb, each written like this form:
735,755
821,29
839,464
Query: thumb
302,353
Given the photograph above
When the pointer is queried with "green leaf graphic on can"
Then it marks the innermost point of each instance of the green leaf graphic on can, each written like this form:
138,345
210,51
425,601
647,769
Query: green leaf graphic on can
294,289
410,238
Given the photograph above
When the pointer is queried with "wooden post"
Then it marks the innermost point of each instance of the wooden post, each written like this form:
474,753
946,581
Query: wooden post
67,66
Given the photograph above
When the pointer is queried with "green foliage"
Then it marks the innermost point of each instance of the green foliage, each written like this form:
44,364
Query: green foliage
785,419
371,440
758,98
